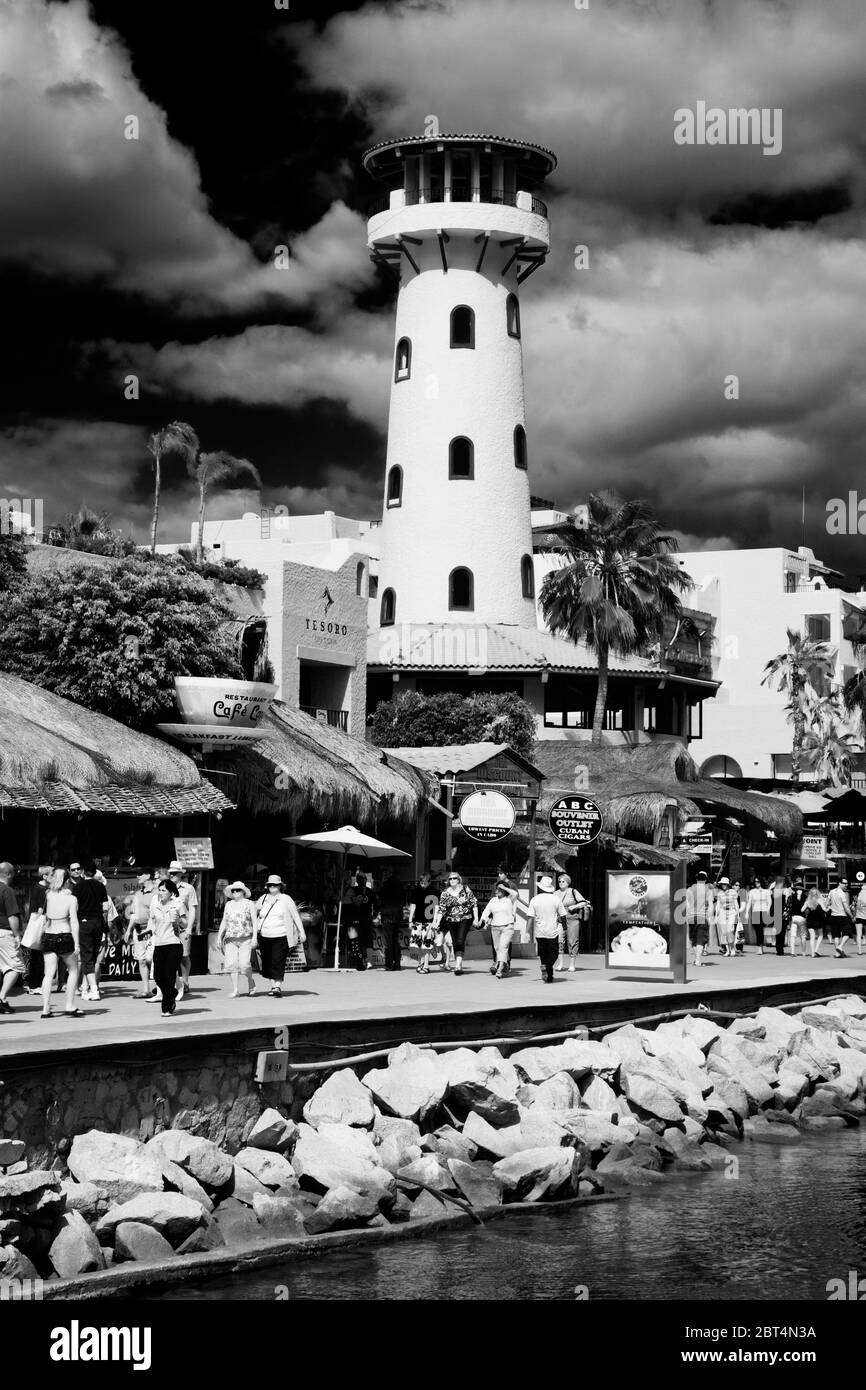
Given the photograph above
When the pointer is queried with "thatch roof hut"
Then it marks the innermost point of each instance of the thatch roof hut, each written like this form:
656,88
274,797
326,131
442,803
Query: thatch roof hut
58,756
637,786
302,765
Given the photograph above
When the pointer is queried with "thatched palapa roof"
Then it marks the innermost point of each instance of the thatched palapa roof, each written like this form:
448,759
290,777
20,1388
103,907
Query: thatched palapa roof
635,787
58,756
303,765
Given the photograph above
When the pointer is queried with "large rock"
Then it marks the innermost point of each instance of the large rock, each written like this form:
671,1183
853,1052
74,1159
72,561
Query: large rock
11,1152
597,1094
731,1096
791,1086
501,1067
450,1143
85,1197
271,1169
651,1096
170,1213
121,1166
536,1174
747,1028
558,1092
272,1131
824,1101
245,1188
208,1237
630,1174
814,1046
426,1204
282,1216
74,1249
669,1041
595,1130
394,1153
627,1044
203,1159
761,1131
410,1086
341,1208
390,1125
428,1170
824,1016
500,1143
472,1085
179,1180
14,1264
26,1193
852,1069
237,1224
341,1100
135,1241
766,1059
321,1162
778,1025
701,1030
475,1181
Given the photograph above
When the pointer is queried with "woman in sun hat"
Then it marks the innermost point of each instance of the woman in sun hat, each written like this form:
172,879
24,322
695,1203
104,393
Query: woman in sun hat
237,936
546,913
278,928
726,914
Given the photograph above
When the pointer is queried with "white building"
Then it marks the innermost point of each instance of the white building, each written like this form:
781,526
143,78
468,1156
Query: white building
762,593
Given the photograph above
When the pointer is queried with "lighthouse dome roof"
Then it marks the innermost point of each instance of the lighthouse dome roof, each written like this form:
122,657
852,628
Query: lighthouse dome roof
380,159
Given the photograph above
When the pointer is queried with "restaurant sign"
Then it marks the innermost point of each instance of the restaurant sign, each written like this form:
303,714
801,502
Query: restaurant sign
575,820
487,815
811,847
194,853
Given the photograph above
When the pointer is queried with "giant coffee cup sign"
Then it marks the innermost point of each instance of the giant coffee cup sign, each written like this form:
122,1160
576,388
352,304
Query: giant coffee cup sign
215,700
486,815
575,820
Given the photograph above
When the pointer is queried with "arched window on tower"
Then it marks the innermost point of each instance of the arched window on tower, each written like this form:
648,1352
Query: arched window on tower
527,577
403,360
389,608
359,578
519,447
461,458
394,490
512,316
461,590
462,327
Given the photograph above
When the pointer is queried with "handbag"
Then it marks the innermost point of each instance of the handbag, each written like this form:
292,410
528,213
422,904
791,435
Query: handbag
34,932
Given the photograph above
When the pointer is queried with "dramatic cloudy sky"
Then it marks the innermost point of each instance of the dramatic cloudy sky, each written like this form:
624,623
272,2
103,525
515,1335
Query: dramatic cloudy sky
155,256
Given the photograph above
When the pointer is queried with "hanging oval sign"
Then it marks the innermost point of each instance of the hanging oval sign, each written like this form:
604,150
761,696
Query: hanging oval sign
575,820
487,815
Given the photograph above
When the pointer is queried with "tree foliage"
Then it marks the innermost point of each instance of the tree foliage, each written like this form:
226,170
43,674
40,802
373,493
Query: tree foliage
802,672
113,638
425,721
13,563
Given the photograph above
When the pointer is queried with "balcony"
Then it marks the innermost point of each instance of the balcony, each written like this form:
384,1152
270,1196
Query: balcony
336,718
458,192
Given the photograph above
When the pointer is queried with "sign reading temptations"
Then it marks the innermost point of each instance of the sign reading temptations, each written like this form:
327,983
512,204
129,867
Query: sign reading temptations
575,820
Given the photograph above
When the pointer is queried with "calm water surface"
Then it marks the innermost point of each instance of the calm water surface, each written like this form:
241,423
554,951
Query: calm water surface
794,1218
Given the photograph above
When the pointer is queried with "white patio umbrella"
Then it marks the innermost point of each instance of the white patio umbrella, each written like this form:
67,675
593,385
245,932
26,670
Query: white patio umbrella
345,841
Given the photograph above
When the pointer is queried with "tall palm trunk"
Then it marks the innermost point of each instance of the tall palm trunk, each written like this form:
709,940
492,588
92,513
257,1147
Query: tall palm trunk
199,545
601,695
154,522
799,731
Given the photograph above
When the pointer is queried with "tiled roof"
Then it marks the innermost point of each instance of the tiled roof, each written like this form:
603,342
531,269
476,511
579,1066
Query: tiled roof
490,647
426,139
450,757
117,799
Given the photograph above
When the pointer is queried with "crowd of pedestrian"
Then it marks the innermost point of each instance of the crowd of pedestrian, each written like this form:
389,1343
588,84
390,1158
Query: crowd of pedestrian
777,914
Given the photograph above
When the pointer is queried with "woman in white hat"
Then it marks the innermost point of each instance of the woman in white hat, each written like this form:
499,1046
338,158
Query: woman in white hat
237,936
726,915
278,928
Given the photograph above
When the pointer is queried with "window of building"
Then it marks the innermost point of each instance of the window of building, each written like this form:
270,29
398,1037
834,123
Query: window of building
388,609
461,590
791,578
818,627
527,577
373,589
461,458
359,579
403,360
519,447
462,327
512,316
394,491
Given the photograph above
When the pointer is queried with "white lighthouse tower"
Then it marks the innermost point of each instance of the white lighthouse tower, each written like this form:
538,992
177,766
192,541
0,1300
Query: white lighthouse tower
462,224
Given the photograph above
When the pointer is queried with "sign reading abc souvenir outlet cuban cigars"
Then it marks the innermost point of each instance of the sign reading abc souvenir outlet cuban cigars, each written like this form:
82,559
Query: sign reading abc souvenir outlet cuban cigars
575,820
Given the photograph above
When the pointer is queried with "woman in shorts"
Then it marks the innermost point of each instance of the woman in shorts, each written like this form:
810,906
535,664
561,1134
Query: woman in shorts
237,936
456,914
61,942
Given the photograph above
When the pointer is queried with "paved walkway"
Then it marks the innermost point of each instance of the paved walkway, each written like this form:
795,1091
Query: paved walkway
322,996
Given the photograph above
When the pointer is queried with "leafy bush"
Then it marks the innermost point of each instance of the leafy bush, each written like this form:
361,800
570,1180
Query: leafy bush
224,571
424,721
13,563
69,631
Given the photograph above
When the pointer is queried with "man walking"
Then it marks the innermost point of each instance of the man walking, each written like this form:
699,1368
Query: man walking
92,899
189,902
545,913
841,916
699,912
11,960
391,902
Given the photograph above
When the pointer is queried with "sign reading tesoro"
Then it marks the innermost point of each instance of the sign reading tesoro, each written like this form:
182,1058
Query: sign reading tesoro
487,815
575,820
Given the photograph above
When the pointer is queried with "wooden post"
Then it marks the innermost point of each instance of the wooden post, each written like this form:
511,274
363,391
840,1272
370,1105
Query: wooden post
449,806
532,847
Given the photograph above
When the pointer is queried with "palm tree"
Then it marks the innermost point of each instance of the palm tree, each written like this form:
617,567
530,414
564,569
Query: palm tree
214,468
617,586
801,672
854,689
829,751
176,438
